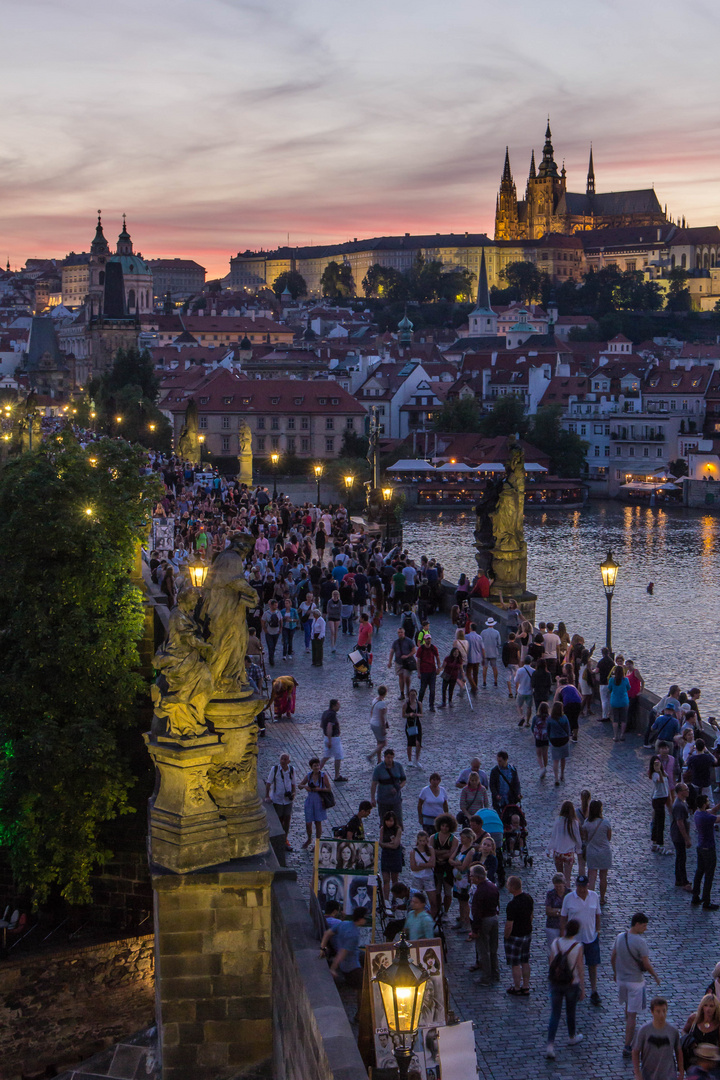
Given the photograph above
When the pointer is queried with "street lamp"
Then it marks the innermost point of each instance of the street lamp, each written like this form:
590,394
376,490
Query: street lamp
387,493
152,426
609,570
402,989
348,481
318,470
274,457
198,572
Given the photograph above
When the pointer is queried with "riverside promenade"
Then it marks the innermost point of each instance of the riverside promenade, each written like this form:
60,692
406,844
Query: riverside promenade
511,1032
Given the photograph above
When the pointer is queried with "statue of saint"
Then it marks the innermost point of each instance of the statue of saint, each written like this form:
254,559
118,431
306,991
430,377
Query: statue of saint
189,444
184,684
227,599
245,455
508,514
499,528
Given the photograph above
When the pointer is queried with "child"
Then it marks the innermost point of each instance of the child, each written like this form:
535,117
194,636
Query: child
513,835
399,905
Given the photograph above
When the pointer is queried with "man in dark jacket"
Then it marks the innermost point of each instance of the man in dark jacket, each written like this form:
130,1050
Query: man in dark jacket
484,925
504,783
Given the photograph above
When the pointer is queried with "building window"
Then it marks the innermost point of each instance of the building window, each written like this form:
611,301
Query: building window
261,423
202,423
673,405
304,444
291,423
631,451
291,445
329,423
322,401
582,429
329,446
350,424
646,451
334,401
225,443
226,422
275,442
659,451
607,451
274,424
261,442
304,423
597,451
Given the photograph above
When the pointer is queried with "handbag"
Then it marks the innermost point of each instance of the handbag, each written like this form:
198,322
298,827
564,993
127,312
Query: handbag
412,730
408,663
688,1043
327,798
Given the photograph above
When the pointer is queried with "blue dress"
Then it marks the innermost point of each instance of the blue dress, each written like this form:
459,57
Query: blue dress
314,809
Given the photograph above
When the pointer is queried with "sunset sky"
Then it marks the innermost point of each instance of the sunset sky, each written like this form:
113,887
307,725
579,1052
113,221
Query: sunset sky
219,125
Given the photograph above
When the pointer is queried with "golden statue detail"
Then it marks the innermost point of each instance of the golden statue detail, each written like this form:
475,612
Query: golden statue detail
185,683
227,599
499,532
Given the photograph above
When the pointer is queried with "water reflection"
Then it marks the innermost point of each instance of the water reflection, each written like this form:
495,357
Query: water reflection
672,634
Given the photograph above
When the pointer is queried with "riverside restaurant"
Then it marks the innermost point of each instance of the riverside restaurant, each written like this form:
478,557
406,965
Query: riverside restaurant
456,484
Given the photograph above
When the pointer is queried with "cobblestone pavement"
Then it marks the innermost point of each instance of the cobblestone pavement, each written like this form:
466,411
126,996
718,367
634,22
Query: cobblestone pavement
511,1032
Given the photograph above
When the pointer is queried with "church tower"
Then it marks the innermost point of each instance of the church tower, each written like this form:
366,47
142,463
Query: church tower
483,322
99,255
590,189
544,192
506,207
124,243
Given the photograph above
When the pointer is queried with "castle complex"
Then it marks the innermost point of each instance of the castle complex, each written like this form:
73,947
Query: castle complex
548,207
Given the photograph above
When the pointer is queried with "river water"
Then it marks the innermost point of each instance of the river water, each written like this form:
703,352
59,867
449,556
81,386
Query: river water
673,634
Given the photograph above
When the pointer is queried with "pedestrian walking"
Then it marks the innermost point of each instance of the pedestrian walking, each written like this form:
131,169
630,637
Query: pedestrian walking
660,803
524,692
491,646
317,784
432,801
553,908
705,820
630,959
475,655
680,835
485,906
541,682
597,834
428,665
391,853
272,625
388,780
422,868
317,638
402,655
584,905
565,841
330,726
412,711
571,701
379,723
518,937
280,790
558,733
451,673
619,702
656,1051
539,728
566,978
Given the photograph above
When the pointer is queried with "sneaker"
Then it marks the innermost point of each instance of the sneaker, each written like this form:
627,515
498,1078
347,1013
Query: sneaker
595,998
442,705
542,773
575,1040
627,1051
341,779
711,907
696,901
288,847
550,1051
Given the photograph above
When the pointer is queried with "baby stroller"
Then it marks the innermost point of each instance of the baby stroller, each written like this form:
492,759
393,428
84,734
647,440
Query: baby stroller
361,660
515,835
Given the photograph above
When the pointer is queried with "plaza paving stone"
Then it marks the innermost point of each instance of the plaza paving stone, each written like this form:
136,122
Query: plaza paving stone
511,1032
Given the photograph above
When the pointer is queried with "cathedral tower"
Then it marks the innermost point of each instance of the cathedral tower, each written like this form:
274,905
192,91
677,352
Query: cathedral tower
544,192
99,255
506,206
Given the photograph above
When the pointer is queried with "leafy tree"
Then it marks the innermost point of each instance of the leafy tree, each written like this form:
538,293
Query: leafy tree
463,414
507,417
385,282
130,390
566,450
678,294
678,468
336,281
354,445
70,622
457,284
293,281
132,368
525,278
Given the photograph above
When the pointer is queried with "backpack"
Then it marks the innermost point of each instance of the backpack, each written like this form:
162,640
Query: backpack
274,620
561,972
408,626
541,728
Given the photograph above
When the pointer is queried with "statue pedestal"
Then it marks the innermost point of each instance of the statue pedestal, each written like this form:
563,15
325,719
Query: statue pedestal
232,778
186,829
245,470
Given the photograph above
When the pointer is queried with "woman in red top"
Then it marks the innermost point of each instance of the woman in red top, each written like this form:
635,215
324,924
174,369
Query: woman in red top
637,685
365,632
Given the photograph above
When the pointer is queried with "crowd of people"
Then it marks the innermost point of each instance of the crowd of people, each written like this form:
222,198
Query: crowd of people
322,578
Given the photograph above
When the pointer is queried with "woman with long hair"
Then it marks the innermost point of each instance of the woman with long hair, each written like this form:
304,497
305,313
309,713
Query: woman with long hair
582,813
391,855
445,844
619,702
598,853
660,802
422,869
539,729
565,840
412,711
558,732
703,1025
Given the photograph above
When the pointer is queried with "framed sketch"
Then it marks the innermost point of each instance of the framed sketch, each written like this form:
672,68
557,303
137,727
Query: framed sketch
346,871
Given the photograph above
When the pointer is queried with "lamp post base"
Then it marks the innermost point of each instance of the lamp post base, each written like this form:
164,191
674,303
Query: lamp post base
403,1056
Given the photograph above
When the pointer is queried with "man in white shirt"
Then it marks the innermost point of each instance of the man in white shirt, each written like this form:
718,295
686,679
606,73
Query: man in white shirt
523,687
280,790
491,645
584,905
317,638
551,649
475,656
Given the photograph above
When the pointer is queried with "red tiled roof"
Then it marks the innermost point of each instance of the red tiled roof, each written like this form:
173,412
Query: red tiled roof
666,380
561,387
267,396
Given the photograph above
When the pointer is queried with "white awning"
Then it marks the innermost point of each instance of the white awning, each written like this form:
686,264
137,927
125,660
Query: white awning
532,466
459,466
408,465
490,466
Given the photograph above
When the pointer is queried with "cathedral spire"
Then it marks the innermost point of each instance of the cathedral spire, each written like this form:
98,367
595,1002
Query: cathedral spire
99,246
548,166
533,172
590,190
483,296
507,174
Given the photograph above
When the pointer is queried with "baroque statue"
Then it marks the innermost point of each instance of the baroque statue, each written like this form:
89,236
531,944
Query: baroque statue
245,454
499,530
189,442
185,683
227,599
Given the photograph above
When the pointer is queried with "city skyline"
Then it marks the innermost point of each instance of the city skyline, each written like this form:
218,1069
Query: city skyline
228,126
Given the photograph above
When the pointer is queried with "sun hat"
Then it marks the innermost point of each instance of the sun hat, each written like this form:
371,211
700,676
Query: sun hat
491,621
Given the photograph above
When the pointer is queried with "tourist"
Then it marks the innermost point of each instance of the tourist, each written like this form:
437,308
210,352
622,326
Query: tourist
475,656
419,924
558,733
582,811
571,701
428,664
330,726
541,681
504,783
379,724
664,728
485,906
553,908
445,844
637,685
333,616
317,638
700,771
487,852
317,783
422,868
702,1028
460,863
365,632
280,790
473,797
583,905
402,655
391,854
349,958
388,780
597,834
660,802
518,937
464,774
565,840
492,646
290,623
656,1050
524,692
566,976
451,673
551,649
412,711
511,661
305,612
355,829
630,959
619,702
705,820
284,691
432,801
605,665
680,835
539,728
272,625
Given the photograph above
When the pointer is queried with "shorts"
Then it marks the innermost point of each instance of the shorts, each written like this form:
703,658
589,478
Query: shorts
633,996
524,700
400,670
284,812
542,743
334,747
592,952
380,732
424,881
517,950
512,670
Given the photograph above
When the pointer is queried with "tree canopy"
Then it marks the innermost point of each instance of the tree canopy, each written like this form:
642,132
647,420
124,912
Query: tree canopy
426,281
337,281
130,390
525,279
70,619
293,281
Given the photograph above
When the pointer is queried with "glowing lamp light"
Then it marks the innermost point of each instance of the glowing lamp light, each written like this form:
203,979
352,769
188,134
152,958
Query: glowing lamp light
93,415
118,419
275,458
88,511
7,437
318,470
387,494
402,988
349,481
152,427
609,570
93,461
201,439
198,572
453,461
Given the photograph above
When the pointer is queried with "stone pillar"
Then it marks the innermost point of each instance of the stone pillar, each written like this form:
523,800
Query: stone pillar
213,965
233,779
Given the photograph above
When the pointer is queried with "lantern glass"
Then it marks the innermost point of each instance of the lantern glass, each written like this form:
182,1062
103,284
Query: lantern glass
198,573
274,458
349,481
318,470
402,988
609,570
387,494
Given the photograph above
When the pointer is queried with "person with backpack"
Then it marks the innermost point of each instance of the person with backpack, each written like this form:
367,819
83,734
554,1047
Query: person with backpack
272,625
524,692
630,959
280,790
402,654
539,729
566,978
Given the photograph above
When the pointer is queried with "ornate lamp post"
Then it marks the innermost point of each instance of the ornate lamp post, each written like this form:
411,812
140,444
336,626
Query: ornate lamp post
318,470
348,481
387,493
609,570
275,457
402,989
198,572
